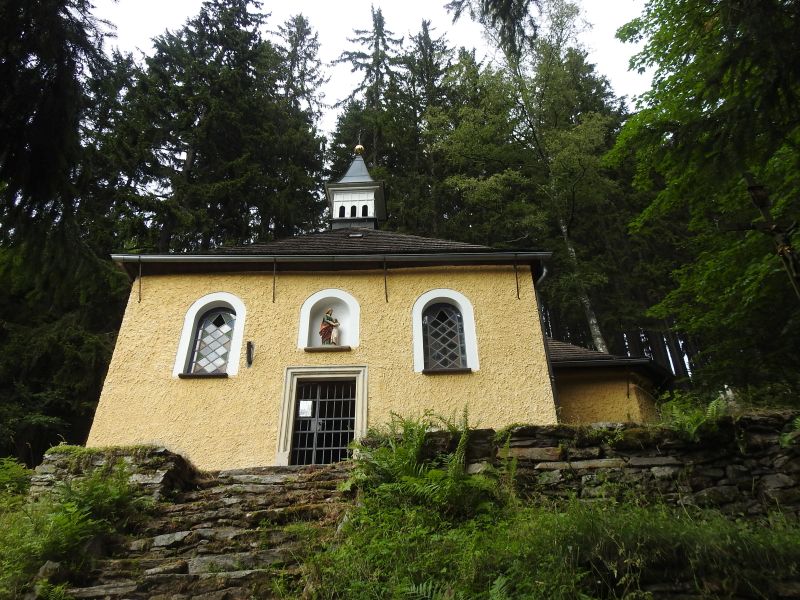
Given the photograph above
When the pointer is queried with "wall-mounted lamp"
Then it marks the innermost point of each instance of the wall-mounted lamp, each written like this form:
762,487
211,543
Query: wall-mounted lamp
251,351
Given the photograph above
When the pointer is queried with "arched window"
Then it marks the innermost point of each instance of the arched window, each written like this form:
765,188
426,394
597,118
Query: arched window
341,212
353,211
365,211
443,332
211,339
212,342
443,337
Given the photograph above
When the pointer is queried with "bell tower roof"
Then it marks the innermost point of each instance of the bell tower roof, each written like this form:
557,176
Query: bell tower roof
357,172
356,200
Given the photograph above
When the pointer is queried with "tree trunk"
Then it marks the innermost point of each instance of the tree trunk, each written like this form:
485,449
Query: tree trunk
165,235
677,354
780,237
583,297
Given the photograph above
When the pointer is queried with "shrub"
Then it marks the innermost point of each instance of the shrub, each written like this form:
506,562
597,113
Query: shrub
106,495
15,479
58,527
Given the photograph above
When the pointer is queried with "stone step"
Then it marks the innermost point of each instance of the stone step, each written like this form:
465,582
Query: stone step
228,585
130,578
114,569
249,515
119,589
238,561
199,541
275,475
244,493
221,537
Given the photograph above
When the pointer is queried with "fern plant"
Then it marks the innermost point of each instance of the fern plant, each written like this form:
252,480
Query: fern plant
429,590
390,468
686,413
785,439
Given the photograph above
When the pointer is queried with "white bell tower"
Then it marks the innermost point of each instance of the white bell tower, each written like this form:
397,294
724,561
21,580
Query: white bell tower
356,200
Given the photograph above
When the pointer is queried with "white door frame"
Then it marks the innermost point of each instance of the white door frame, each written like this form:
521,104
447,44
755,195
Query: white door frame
286,414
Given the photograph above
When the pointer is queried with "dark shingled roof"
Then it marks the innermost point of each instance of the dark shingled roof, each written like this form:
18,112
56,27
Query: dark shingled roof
563,355
354,241
562,352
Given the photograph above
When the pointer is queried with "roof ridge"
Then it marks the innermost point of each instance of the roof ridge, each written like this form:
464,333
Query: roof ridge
367,240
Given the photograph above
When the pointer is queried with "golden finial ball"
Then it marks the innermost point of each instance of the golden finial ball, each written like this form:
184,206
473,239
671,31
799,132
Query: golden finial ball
359,150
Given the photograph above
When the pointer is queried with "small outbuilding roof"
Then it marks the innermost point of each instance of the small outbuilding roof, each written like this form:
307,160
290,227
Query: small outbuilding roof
569,356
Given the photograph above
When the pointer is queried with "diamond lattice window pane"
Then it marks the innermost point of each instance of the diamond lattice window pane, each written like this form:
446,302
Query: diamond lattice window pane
213,341
443,337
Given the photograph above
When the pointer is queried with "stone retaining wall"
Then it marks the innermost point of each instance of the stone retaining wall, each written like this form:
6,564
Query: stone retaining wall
156,471
745,466
232,535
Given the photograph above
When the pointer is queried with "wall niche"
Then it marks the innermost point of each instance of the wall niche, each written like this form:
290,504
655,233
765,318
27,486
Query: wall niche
345,310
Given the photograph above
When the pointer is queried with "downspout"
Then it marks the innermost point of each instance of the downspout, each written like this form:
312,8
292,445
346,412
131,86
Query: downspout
550,374
274,276
541,279
385,282
139,301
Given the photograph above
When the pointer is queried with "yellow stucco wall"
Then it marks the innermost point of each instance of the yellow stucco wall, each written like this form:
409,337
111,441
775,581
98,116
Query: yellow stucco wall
230,423
592,395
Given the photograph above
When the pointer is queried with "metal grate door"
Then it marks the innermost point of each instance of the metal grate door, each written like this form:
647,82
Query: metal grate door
324,421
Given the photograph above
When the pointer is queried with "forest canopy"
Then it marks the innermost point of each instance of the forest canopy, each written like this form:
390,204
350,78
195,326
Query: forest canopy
671,225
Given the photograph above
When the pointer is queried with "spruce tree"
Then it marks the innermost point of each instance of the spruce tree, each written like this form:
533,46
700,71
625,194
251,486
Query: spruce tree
230,146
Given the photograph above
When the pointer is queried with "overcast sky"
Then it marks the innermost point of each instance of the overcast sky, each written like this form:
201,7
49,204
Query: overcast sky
138,21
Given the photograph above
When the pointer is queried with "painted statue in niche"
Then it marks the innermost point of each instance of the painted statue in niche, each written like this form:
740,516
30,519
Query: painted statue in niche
329,329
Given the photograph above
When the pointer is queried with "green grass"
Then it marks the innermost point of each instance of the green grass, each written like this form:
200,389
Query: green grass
424,529
106,450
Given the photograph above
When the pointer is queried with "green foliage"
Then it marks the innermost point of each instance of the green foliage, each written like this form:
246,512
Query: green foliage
45,50
72,450
392,472
106,495
559,551
60,298
47,591
57,528
223,121
697,148
687,412
787,438
15,479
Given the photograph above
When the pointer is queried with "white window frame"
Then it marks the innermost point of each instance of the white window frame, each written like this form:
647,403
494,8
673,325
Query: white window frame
311,302
286,413
200,307
462,303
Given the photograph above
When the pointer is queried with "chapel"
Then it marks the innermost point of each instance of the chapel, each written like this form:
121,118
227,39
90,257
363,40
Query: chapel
283,353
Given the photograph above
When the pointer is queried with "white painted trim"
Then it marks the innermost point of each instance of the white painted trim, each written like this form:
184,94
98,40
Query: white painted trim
313,299
286,413
196,310
463,304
